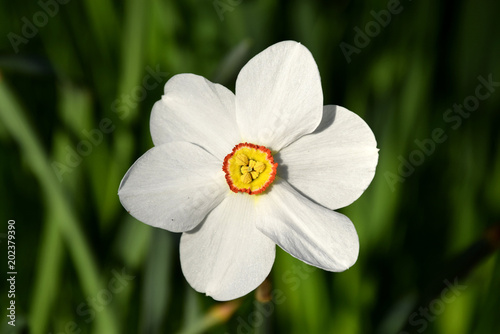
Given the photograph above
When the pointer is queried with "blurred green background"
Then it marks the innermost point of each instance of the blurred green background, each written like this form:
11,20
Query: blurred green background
74,71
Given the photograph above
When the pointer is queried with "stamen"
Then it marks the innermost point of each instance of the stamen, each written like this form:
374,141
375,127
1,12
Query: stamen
241,160
259,167
246,169
246,178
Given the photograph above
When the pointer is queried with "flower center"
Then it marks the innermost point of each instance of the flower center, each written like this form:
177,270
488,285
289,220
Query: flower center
249,168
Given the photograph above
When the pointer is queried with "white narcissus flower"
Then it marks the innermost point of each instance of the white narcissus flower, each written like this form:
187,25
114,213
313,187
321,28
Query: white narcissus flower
241,173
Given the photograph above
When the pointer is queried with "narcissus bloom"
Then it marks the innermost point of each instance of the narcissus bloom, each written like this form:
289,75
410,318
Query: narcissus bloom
241,173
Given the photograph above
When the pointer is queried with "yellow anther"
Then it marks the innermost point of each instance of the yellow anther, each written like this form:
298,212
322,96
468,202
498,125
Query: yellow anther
246,178
259,167
251,164
241,160
254,174
245,169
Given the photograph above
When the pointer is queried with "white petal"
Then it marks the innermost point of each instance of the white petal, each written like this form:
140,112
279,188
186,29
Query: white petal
308,231
335,164
226,256
196,110
173,186
279,96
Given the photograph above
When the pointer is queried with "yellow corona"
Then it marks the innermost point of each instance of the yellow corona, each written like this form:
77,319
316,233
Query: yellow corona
249,168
